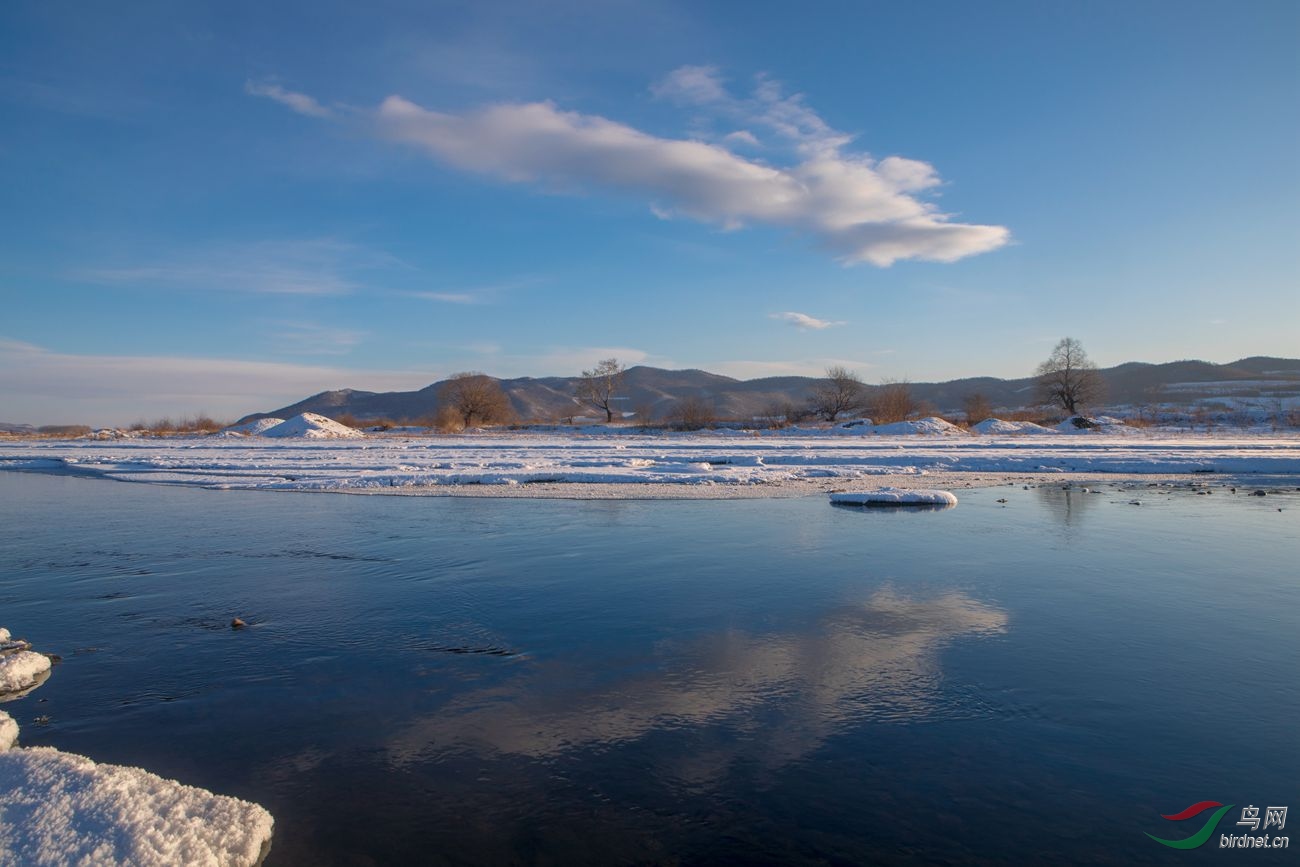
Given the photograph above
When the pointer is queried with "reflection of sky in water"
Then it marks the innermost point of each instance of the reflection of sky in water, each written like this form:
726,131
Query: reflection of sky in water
776,681
874,661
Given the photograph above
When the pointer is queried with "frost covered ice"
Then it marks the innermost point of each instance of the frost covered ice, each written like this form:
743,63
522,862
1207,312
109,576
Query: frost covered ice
61,808
429,464
8,731
895,497
20,671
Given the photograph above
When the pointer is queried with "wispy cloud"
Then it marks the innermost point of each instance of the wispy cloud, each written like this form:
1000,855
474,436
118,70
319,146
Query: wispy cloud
311,338
48,387
299,102
309,267
860,208
447,297
803,321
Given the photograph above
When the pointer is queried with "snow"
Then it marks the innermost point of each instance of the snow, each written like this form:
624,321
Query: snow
21,671
927,426
254,428
432,464
895,497
8,731
309,425
998,427
1102,424
61,808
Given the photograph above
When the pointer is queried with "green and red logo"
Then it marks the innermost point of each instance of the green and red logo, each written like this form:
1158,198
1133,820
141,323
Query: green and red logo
1201,836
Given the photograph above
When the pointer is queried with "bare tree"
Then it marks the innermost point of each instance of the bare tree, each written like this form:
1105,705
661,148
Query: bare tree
840,392
976,407
476,398
693,413
892,401
1067,378
599,385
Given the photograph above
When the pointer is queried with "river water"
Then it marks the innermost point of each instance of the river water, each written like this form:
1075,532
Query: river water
476,681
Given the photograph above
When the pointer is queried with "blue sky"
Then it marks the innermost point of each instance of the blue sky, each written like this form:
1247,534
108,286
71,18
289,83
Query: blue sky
229,206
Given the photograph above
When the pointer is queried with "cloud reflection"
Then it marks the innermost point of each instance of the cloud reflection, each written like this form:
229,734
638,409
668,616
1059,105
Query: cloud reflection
781,694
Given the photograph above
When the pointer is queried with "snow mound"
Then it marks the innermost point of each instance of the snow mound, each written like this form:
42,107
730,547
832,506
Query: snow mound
931,426
61,808
8,731
21,671
309,425
1082,424
991,426
895,497
254,428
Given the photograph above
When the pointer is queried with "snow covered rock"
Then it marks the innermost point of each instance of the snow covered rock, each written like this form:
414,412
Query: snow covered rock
20,672
998,427
8,731
895,497
309,425
61,808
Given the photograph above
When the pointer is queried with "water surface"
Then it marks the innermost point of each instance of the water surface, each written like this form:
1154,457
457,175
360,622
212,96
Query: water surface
469,681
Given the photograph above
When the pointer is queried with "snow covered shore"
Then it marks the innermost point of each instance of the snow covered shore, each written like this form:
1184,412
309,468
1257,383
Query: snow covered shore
58,808
726,463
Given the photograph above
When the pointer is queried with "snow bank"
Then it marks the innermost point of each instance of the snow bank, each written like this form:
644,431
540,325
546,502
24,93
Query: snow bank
21,671
309,425
928,426
895,497
8,731
61,808
257,427
998,427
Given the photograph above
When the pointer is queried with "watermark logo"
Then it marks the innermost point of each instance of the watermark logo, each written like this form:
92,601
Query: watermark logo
1274,817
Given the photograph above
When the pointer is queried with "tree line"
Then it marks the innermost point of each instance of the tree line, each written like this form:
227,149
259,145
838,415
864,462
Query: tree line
1067,380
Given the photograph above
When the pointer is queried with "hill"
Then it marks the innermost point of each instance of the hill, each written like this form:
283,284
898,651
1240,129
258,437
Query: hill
652,392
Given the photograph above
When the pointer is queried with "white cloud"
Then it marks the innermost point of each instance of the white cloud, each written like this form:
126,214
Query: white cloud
310,338
803,321
299,102
861,209
310,267
44,387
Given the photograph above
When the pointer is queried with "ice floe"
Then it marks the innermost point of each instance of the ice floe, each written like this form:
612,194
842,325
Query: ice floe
20,671
895,497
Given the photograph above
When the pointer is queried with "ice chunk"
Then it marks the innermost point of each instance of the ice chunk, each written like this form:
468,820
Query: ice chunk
22,670
8,731
895,497
61,808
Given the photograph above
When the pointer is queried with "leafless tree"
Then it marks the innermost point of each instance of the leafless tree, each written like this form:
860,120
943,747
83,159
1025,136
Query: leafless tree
892,401
599,385
840,392
693,413
476,398
976,407
1068,379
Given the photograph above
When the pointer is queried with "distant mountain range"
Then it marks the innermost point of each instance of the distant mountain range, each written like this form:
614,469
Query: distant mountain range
653,392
